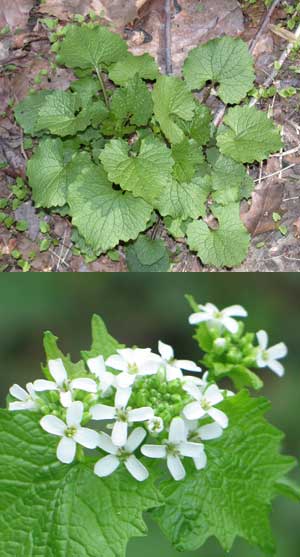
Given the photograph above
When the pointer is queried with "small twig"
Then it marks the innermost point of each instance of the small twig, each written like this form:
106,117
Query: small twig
285,153
264,25
98,72
274,173
168,37
291,199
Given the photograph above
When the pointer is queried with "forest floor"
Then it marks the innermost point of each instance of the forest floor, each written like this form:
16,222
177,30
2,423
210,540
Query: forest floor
34,240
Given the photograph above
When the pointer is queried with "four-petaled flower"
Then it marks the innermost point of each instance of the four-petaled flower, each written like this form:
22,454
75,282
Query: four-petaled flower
204,405
172,366
117,455
174,448
105,378
267,357
133,362
121,415
63,384
213,316
70,432
26,400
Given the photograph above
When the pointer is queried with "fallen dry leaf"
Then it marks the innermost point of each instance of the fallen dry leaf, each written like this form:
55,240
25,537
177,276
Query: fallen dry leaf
15,12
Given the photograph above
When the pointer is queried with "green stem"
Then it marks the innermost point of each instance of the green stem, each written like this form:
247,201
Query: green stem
98,71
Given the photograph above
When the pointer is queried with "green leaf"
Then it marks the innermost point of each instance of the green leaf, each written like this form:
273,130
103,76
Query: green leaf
225,61
288,488
231,497
225,247
104,216
176,227
172,99
58,114
133,102
228,177
186,200
124,70
50,174
187,155
147,256
199,128
86,88
249,135
49,509
85,47
53,352
26,112
102,342
145,175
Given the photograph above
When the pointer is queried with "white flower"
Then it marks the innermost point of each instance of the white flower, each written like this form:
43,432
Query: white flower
108,464
190,383
212,315
155,425
174,449
174,367
133,362
202,433
267,357
70,432
62,384
122,416
27,400
105,378
204,405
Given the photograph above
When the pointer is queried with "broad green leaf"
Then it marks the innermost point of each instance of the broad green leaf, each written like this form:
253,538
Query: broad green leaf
231,497
176,227
26,112
187,155
172,99
124,70
133,102
248,135
145,175
147,256
226,246
86,47
104,216
48,509
184,200
288,488
53,352
86,88
199,128
59,114
228,178
50,174
102,342
225,61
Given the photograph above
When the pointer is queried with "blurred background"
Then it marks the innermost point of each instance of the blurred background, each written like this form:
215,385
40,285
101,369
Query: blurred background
140,310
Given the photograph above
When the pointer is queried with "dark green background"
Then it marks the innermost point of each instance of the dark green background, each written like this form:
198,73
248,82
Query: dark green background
139,309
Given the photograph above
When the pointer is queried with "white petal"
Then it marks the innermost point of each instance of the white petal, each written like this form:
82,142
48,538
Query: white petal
66,450
154,451
106,466
84,384
86,437
96,366
187,365
18,406
173,373
140,414
105,443
18,392
53,425
213,394
192,389
193,411
237,311
230,324
262,338
119,433
107,379
177,430
31,391
277,367
125,380
122,397
176,467
117,362
149,367
278,351
166,351
261,359
196,318
201,461
135,438
209,308
136,468
193,450
219,417
65,398
44,385
210,431
58,371
102,412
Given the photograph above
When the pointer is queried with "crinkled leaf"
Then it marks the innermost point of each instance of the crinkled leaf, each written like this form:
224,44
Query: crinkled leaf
231,497
102,342
133,102
225,247
187,155
225,61
59,114
228,178
124,70
249,135
104,216
172,99
85,47
50,173
145,175
199,128
184,200
49,509
288,488
147,256
176,227
86,88
26,112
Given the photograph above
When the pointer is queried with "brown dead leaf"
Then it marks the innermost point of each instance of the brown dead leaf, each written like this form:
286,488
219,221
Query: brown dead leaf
296,226
15,12
120,12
